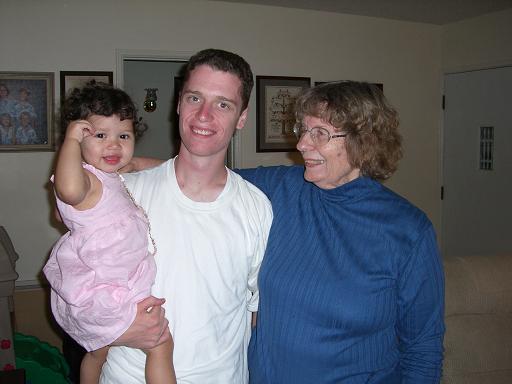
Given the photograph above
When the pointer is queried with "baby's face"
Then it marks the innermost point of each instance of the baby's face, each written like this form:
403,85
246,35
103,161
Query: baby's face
111,145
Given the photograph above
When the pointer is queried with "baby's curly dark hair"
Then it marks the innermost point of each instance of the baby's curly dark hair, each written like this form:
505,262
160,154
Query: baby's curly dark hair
97,98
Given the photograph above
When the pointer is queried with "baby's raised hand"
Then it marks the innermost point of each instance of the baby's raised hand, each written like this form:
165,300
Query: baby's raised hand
79,129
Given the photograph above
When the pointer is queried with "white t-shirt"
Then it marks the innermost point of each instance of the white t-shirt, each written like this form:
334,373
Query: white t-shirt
208,257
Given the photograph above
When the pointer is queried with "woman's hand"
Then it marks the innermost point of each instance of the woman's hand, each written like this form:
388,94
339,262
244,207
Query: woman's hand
140,164
150,327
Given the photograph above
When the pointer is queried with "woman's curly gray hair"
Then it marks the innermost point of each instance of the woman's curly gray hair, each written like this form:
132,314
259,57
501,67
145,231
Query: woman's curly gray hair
359,109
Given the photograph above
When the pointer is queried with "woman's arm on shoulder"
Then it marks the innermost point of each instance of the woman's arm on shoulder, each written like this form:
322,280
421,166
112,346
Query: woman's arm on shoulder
141,163
267,179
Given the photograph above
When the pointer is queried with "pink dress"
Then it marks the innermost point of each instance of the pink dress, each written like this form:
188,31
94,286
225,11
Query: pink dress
101,268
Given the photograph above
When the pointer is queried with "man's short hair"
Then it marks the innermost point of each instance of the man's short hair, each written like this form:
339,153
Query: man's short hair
227,62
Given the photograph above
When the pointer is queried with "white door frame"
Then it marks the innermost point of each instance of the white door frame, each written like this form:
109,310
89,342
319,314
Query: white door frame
143,55
233,155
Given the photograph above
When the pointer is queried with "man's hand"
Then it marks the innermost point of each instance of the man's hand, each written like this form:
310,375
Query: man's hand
150,327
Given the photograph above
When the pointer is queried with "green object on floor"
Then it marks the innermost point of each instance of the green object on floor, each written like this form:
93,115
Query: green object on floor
43,363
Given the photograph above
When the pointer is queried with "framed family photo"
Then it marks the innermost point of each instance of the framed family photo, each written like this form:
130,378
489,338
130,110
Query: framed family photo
275,115
77,79
26,111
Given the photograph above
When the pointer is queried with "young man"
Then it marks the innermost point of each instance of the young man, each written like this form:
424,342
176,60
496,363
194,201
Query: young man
210,228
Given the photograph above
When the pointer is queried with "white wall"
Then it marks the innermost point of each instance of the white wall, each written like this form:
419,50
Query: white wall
55,35
477,43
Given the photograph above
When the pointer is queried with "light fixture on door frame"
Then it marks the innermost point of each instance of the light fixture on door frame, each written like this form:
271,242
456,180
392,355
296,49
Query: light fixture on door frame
150,101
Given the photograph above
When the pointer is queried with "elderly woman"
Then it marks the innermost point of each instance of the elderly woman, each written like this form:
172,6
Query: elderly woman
351,286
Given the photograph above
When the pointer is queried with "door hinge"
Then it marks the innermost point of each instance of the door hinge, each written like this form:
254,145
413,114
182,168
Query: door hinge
442,193
443,103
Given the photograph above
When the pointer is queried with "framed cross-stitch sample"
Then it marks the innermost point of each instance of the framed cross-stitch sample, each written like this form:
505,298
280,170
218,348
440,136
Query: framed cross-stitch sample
275,118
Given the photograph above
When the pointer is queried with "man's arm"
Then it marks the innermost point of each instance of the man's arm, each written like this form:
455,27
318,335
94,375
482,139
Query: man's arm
150,327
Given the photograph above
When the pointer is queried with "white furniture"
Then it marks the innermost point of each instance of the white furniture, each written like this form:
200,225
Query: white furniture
478,340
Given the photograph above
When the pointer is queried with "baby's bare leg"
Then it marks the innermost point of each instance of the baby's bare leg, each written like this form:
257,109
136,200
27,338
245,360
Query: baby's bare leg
159,365
90,369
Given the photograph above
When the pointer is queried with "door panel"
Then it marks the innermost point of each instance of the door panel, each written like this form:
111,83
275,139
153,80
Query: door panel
477,204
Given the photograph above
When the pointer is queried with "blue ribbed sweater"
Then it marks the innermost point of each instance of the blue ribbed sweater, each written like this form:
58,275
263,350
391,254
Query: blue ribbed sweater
351,286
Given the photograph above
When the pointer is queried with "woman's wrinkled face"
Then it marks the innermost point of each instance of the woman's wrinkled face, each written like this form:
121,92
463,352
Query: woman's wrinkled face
326,166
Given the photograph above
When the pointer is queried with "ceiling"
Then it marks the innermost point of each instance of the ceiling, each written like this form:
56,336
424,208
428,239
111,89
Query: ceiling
424,11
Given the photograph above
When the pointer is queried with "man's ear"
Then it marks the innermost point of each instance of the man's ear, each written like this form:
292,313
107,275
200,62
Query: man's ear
242,119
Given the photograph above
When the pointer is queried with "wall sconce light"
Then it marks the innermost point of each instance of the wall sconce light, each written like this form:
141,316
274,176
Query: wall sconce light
150,101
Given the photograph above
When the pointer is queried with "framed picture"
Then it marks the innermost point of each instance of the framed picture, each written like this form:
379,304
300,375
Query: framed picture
77,79
26,111
275,115
380,85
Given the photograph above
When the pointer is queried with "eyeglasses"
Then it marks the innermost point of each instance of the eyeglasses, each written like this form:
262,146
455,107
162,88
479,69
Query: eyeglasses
319,136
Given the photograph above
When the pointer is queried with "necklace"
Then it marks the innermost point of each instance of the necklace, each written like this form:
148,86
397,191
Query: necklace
141,210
